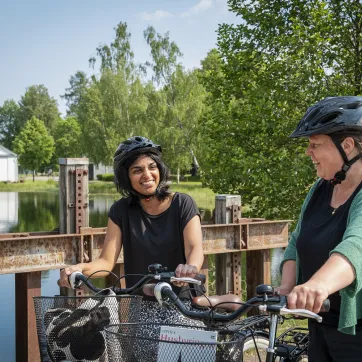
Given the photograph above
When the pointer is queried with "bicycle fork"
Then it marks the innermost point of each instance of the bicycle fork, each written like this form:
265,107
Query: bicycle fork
271,351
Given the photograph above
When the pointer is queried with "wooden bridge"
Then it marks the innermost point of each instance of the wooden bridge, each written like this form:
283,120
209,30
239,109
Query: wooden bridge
27,254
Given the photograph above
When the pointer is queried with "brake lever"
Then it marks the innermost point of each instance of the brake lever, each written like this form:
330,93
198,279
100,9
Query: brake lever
185,280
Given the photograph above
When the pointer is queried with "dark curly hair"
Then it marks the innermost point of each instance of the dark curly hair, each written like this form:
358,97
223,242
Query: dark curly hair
123,182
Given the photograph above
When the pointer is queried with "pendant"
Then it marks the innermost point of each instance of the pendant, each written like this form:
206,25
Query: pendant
334,210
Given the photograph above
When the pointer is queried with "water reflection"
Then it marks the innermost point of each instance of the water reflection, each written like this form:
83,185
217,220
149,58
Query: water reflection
20,212
8,211
29,211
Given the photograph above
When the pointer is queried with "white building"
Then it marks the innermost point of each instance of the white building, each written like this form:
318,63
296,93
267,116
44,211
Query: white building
95,170
8,165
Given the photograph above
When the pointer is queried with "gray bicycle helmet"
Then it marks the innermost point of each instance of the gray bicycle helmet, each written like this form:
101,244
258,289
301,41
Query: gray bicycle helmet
133,146
329,116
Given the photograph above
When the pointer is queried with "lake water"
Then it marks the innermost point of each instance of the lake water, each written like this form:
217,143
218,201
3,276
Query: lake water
20,212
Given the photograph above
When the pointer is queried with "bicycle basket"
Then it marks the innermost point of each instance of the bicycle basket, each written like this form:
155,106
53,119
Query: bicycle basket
153,342
72,328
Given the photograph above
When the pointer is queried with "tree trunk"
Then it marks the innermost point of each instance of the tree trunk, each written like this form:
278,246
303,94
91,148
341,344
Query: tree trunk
33,175
178,175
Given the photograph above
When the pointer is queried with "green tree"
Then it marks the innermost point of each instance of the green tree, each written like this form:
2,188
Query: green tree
179,102
34,145
283,56
9,123
67,135
114,106
78,84
37,103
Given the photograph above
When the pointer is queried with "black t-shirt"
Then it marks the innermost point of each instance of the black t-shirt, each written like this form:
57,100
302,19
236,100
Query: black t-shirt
322,229
149,239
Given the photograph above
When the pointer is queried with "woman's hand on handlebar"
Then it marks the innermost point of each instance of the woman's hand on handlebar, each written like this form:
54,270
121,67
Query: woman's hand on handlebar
310,295
64,274
185,270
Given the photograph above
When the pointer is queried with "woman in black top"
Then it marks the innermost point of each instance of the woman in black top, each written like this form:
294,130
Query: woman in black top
152,224
323,257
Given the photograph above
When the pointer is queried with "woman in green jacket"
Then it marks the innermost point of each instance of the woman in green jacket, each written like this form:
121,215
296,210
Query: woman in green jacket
324,255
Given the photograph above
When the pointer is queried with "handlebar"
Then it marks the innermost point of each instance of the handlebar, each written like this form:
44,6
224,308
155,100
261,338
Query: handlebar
266,300
273,304
76,279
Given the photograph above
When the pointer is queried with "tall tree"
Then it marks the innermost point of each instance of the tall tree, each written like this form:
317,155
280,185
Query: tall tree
36,102
10,124
118,56
182,101
114,106
34,145
78,84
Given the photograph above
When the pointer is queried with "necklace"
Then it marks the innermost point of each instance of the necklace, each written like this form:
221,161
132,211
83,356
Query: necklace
334,194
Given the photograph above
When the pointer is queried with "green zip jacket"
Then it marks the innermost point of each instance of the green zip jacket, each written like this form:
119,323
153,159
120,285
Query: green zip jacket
350,247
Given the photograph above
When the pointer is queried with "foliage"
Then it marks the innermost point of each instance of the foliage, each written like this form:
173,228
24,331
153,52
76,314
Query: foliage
78,84
108,177
34,145
37,103
180,103
66,135
267,70
9,123
118,102
114,105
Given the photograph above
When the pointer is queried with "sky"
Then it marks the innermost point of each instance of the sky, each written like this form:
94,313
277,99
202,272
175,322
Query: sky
45,42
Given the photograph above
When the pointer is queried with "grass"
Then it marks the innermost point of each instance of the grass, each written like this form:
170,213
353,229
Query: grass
30,186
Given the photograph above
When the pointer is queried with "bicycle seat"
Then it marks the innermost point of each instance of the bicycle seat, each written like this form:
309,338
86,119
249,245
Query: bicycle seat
227,302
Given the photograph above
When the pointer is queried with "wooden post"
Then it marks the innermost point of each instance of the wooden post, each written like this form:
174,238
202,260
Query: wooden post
27,286
73,202
73,195
205,270
257,271
227,211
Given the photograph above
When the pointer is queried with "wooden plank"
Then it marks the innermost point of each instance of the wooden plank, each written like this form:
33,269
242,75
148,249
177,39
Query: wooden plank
266,235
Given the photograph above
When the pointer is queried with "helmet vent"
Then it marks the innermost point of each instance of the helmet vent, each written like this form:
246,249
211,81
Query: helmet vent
328,118
353,105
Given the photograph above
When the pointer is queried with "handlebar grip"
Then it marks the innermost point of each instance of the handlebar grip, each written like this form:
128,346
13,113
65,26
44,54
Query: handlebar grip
74,280
148,289
325,306
201,277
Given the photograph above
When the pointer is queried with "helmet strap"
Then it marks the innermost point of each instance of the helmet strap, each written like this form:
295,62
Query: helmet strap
341,175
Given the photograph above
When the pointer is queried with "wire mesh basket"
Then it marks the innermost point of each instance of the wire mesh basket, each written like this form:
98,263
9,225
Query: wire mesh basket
72,328
154,342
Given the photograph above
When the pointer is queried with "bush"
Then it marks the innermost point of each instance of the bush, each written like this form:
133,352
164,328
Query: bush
109,177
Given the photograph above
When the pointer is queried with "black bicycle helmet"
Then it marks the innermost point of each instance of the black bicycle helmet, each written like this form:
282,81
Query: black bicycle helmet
133,146
123,156
329,116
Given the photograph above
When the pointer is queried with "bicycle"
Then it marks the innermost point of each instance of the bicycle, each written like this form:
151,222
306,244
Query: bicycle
123,338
